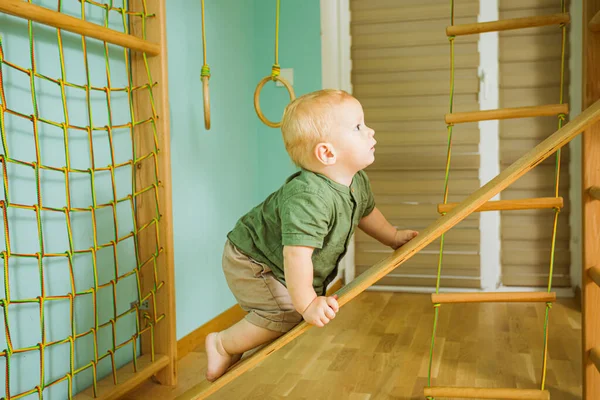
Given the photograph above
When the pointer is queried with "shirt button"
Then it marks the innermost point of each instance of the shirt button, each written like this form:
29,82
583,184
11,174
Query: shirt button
352,190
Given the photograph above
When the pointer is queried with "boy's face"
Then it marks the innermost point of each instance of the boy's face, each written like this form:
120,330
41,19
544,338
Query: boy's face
353,141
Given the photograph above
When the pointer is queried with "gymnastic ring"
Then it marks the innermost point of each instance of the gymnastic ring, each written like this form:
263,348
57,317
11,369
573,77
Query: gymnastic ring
206,95
257,98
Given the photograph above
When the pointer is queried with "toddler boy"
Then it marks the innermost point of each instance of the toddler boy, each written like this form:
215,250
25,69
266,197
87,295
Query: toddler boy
280,256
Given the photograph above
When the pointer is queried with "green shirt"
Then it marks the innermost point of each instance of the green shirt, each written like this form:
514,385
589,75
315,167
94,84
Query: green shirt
308,210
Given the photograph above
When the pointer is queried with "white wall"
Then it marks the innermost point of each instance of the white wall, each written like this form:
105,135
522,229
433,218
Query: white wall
489,145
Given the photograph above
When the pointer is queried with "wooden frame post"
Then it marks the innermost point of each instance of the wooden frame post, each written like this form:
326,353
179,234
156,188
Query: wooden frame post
153,103
590,206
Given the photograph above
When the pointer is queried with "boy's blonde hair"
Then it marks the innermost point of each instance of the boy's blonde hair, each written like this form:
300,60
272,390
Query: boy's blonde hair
307,121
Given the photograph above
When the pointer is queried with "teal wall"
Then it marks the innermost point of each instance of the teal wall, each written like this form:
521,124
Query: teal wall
215,172
217,175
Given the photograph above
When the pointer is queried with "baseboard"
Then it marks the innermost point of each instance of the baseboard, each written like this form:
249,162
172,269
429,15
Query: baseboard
188,343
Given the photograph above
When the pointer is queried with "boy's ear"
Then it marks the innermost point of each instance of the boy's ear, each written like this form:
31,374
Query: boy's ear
325,153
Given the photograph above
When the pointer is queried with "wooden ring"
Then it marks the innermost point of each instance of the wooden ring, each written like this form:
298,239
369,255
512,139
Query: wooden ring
257,98
206,102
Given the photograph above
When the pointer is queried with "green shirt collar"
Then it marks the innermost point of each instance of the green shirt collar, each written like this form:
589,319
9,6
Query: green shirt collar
336,185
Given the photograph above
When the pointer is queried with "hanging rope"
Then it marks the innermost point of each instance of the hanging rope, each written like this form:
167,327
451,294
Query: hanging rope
445,200
561,119
275,70
205,76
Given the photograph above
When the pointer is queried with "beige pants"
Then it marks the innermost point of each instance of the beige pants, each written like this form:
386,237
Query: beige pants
256,289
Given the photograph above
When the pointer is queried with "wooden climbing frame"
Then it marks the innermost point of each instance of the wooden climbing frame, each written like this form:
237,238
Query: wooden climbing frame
590,214
145,36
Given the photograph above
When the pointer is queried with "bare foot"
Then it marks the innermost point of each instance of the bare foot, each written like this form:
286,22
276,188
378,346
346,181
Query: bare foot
218,359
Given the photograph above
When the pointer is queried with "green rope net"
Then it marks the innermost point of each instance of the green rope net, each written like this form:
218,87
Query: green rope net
561,119
112,263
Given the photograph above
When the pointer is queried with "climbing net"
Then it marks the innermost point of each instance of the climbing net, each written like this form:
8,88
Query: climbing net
97,318
561,119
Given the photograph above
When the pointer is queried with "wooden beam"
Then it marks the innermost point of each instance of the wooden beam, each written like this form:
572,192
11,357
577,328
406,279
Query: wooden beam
482,393
43,15
524,164
595,23
153,139
509,205
516,297
508,24
507,113
127,378
590,163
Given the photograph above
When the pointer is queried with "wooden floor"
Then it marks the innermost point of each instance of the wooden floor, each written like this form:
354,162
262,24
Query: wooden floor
378,348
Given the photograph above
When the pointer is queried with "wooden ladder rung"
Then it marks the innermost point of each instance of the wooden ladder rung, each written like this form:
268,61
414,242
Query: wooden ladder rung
595,357
595,23
482,393
507,113
43,15
508,24
507,205
594,273
505,297
594,192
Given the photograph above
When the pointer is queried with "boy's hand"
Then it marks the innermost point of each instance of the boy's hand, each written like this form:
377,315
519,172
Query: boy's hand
321,310
403,237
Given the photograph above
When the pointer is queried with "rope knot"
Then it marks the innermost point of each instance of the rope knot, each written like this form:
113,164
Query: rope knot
437,305
205,71
451,38
549,305
562,116
275,71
